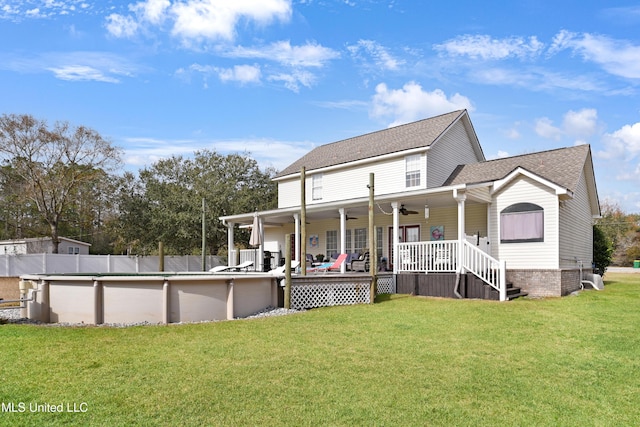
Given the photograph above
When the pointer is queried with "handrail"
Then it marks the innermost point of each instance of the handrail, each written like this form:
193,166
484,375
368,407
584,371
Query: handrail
438,256
487,268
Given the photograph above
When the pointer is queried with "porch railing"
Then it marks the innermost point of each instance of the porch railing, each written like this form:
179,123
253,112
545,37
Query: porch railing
442,257
438,256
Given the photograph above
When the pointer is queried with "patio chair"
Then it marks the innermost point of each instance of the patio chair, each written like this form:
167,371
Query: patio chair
280,271
329,266
361,264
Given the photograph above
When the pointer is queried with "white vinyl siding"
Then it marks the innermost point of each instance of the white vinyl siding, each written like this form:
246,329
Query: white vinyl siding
351,182
576,232
534,255
446,154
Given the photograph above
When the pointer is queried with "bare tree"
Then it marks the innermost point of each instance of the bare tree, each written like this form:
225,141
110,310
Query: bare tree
53,163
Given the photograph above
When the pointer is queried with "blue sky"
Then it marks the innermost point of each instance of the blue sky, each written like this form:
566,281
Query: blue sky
276,78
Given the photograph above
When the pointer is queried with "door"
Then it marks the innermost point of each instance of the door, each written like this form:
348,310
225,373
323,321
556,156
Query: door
406,233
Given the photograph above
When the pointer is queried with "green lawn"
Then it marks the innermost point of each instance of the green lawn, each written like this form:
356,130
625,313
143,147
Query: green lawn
403,361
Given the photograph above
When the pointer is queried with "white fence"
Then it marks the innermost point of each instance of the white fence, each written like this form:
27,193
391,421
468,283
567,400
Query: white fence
17,265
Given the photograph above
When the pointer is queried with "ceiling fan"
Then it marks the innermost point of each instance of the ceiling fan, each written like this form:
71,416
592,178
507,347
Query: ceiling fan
405,211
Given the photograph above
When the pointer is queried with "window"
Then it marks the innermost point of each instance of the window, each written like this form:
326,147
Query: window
379,242
522,222
316,186
360,240
332,242
412,170
347,238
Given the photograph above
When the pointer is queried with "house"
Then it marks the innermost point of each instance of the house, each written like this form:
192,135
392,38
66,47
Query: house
441,207
39,245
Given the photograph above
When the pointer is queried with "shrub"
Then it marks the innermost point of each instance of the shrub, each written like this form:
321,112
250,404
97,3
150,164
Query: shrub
602,249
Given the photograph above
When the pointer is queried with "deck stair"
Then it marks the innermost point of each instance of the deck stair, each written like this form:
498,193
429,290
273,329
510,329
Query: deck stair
513,292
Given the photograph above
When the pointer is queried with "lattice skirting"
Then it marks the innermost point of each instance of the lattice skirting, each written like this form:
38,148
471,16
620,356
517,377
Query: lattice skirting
386,285
322,295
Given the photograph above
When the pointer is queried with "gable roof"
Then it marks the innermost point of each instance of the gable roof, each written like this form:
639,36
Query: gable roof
562,166
418,134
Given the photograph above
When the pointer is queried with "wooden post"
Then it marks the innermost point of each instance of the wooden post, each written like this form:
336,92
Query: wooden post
287,271
204,237
303,222
160,256
373,252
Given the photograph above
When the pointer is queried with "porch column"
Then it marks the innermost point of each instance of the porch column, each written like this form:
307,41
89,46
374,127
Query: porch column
396,236
260,263
231,255
460,198
343,238
296,225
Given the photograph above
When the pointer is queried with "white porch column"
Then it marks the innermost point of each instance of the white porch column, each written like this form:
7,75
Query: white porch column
231,255
343,237
460,198
260,263
296,225
396,236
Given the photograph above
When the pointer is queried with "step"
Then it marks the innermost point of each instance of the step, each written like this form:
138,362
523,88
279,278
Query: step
518,295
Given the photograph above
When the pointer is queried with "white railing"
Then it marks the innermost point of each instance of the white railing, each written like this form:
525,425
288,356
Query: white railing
487,268
438,256
442,257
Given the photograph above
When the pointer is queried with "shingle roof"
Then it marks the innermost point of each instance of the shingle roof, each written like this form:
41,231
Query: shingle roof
404,137
562,166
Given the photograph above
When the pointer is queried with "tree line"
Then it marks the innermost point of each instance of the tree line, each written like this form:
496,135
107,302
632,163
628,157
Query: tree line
66,181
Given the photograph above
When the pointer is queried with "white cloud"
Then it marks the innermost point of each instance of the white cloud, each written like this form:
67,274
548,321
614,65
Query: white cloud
144,151
81,73
308,55
381,57
17,10
152,11
487,48
194,21
617,57
412,103
294,79
535,79
121,26
623,143
240,73
73,66
544,127
580,125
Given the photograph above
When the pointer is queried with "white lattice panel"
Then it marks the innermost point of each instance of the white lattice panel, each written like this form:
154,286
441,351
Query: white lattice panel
328,294
386,285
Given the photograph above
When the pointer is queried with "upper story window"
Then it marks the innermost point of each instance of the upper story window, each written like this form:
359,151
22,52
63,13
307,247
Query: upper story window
316,186
522,222
412,170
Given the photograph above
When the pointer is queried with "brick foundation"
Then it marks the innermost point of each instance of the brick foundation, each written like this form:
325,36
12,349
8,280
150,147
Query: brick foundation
545,283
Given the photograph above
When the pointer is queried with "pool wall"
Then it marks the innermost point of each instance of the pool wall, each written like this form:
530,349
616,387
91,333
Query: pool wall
148,298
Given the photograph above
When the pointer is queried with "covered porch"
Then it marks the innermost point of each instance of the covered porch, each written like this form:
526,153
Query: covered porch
442,230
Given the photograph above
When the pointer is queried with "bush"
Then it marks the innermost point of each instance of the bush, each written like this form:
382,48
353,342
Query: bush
602,249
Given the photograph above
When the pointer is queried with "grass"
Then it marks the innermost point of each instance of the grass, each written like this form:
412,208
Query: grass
403,361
